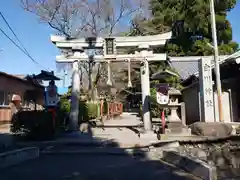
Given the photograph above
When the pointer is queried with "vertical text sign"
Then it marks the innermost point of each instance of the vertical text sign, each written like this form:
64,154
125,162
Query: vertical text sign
206,90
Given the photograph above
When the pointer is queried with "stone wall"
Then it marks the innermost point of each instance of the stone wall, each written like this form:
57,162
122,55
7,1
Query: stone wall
225,156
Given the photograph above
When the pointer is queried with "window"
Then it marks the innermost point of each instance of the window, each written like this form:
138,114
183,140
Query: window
1,98
24,101
4,98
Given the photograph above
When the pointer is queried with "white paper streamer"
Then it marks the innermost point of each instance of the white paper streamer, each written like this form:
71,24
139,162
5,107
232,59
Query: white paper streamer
109,81
129,74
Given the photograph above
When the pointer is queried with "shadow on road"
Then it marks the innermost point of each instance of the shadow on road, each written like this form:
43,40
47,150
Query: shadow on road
80,156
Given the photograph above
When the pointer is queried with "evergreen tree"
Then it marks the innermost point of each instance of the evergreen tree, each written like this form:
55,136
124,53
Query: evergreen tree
190,21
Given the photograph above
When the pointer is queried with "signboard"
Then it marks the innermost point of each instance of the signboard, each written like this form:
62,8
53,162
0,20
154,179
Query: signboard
206,90
109,46
162,95
51,96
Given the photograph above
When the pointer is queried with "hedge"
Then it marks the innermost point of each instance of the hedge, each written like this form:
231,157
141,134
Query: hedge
39,124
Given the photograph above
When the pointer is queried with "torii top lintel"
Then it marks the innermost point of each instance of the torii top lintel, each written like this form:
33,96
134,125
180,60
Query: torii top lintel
124,41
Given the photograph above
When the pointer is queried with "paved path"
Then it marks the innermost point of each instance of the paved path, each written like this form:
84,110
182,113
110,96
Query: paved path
97,167
127,119
125,136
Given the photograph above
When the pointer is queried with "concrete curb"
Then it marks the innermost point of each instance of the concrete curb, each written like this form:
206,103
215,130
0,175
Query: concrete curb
110,151
206,139
18,156
70,142
107,143
165,144
194,166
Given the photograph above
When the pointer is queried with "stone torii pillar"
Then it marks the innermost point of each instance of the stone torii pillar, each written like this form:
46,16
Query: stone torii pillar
73,124
145,85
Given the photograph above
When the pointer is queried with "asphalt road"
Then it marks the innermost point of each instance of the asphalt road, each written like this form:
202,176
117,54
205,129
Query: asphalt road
86,167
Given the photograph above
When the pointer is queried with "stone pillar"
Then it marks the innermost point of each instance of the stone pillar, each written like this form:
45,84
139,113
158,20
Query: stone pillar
73,124
145,84
206,90
183,114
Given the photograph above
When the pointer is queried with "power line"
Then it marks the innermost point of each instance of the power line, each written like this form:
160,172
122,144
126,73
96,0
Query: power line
13,32
20,48
23,49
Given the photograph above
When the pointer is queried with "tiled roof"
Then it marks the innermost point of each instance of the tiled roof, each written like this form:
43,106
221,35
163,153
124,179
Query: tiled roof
185,68
22,76
188,65
19,79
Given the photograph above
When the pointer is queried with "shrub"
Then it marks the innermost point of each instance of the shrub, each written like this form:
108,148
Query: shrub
105,107
33,125
83,111
39,125
63,112
65,105
93,110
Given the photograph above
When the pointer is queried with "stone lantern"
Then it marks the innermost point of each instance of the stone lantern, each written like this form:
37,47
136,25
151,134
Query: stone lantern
173,105
173,93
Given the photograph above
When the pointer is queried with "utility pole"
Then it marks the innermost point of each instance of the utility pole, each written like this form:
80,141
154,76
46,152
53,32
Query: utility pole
216,58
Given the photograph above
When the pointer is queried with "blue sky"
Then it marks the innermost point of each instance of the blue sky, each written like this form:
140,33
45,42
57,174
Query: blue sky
36,38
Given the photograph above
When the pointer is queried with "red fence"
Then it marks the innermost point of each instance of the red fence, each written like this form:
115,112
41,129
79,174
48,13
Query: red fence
114,109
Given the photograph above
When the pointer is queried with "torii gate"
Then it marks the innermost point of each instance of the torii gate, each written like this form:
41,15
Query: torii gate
110,45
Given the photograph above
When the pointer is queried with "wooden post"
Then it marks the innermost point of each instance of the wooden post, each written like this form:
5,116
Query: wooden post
163,121
108,110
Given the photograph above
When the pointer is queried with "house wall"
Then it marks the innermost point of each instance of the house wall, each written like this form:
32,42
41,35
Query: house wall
227,110
5,115
192,101
234,106
10,86
232,87
190,96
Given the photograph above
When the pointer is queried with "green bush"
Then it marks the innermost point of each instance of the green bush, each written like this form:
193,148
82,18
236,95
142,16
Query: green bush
105,107
83,111
65,105
93,110
39,125
88,110
154,107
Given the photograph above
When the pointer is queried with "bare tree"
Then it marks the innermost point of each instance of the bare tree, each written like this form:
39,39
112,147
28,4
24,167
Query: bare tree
74,18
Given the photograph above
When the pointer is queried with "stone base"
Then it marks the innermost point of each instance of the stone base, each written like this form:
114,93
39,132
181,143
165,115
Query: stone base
192,165
175,127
